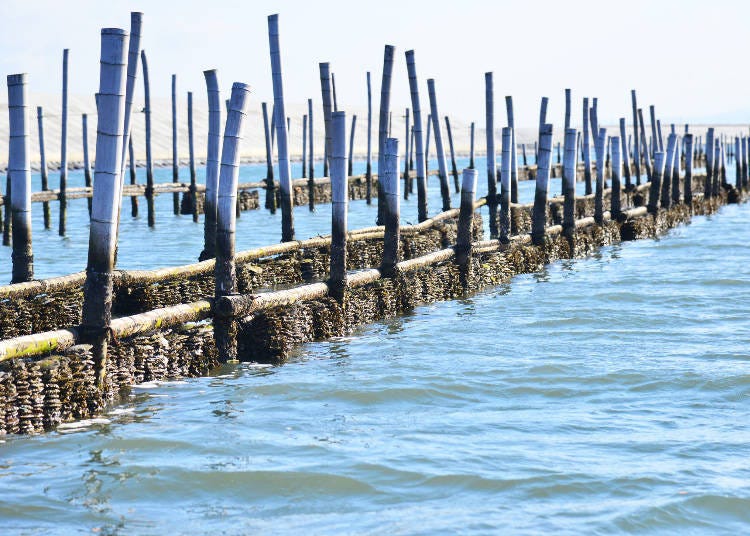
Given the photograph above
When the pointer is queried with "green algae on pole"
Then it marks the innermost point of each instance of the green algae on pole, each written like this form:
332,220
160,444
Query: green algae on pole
339,205
149,159
19,169
213,146
539,212
97,290
175,162
416,107
43,164
270,185
64,147
384,118
587,147
442,171
569,183
86,161
225,270
489,128
504,218
465,219
615,204
191,153
454,169
368,170
391,236
636,142
285,181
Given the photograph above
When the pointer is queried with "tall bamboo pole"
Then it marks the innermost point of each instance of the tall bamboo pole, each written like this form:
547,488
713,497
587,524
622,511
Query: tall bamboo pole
86,161
340,201
586,147
304,146
333,87
624,153
97,290
325,91
658,133
134,48
567,109
43,164
676,173
542,120
443,172
708,190
191,154
539,212
270,184
489,127
407,178
149,160
505,228
615,202
599,147
688,196
416,107
350,163
7,221
411,156
666,183
19,169
383,122
133,198
636,141
471,146
655,188
210,205
465,220
644,148
175,162
454,169
514,152
368,172
310,138
569,183
285,181
64,148
391,236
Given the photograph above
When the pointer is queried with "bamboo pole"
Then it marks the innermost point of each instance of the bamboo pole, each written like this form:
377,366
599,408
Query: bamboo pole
427,146
421,150
225,271
149,159
660,138
333,87
655,189
624,153
175,162
43,164
523,155
325,90
285,182
310,141
454,169
86,162
744,162
443,171
19,169
368,172
97,290
270,185
471,146
708,189
569,183
514,152
411,157
391,237
465,219
134,48
587,147
615,203
636,140
644,149
599,191
505,174
542,119
350,162
594,113
654,135
407,178
191,153
339,206
717,167
666,183
64,147
676,173
384,120
212,165
304,146
133,198
539,212
489,107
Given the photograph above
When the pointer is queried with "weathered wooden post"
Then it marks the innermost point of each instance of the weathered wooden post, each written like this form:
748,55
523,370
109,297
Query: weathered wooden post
270,184
175,162
599,191
133,198
407,178
443,172
225,271
86,161
391,236
210,205
384,119
514,151
43,163
539,213
191,154
708,190
368,170
19,169
489,100
64,148
465,221
655,187
325,91
149,161
471,146
304,147
310,141
570,164
587,147
636,141
416,107
505,174
340,201
285,182
350,163
666,183
615,201
624,153
454,169
97,290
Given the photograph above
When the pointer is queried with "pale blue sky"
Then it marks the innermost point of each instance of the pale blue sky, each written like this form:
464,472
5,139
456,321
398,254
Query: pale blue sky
689,58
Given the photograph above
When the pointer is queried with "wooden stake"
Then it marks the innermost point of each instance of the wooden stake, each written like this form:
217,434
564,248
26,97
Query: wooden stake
64,147
43,166
420,149
175,162
505,174
383,124
514,152
285,180
587,147
270,184
443,171
97,290
391,237
615,203
539,212
86,162
191,153
340,200
489,127
149,162
368,172
19,169
465,219
225,272
570,164
210,205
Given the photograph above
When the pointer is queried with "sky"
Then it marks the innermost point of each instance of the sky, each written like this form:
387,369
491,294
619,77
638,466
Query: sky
686,57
